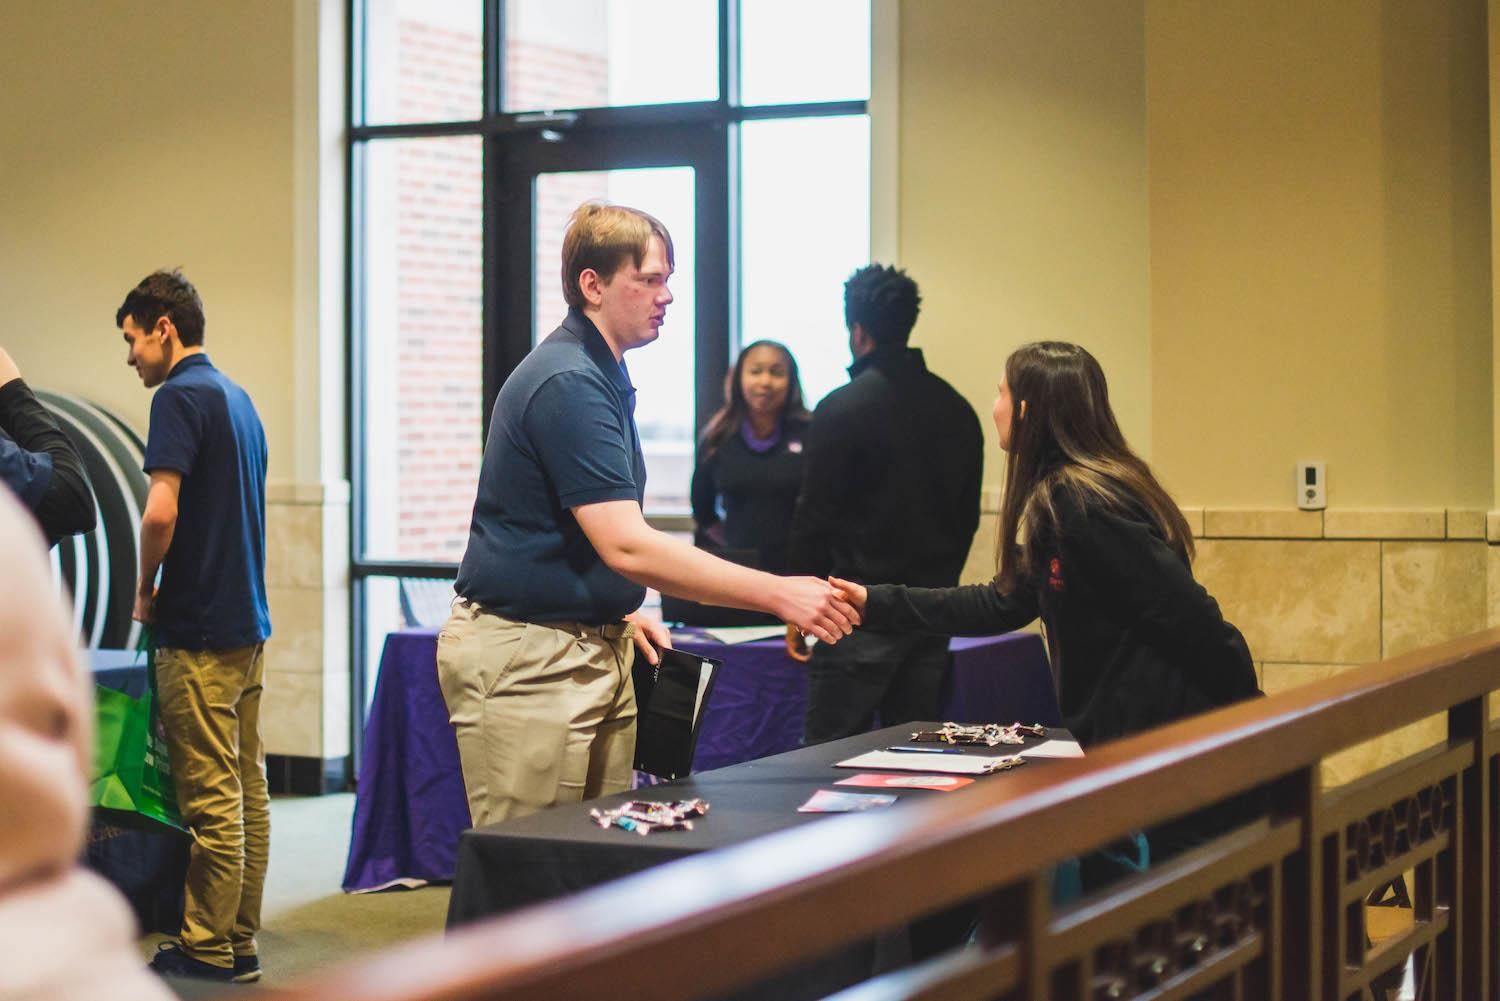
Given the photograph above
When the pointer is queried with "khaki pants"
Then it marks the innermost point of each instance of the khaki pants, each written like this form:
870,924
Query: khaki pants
544,712
210,709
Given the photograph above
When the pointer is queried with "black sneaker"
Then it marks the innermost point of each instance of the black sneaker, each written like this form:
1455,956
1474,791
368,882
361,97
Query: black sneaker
246,969
171,961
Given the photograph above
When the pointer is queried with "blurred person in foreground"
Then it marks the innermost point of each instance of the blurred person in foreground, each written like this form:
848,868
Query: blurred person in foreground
65,934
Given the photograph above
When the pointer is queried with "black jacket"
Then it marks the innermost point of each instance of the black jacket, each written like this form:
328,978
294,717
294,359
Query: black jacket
1135,641
758,491
891,493
66,506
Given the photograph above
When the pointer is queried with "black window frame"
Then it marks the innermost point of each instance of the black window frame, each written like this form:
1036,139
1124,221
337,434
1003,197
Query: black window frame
500,131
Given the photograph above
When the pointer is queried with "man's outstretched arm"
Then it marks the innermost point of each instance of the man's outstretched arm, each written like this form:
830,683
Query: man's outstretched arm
636,551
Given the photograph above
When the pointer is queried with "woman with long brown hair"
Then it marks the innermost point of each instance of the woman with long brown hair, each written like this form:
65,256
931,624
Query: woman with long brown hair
750,457
1101,554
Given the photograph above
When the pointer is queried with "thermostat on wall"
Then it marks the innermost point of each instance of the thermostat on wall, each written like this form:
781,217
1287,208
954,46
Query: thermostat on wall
1312,486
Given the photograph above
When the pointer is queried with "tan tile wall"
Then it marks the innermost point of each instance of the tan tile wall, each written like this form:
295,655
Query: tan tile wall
1492,590
305,708
1323,592
1365,591
1465,524
1365,757
1298,601
1433,591
1262,523
1354,524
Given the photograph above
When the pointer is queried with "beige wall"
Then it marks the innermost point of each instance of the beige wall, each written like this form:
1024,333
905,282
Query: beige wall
1270,220
1494,217
1320,281
1023,199
139,136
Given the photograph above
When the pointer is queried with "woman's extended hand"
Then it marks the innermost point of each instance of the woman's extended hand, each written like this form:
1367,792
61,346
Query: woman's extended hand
854,594
650,636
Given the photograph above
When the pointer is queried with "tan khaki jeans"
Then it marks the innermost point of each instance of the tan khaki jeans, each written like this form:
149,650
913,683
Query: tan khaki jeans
210,709
543,713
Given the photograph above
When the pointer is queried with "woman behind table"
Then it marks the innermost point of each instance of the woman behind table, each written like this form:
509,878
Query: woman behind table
750,457
1102,556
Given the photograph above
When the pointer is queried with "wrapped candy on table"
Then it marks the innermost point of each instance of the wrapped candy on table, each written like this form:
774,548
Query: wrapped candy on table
644,816
988,734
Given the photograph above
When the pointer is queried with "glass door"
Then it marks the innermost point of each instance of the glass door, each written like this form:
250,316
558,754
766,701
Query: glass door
677,177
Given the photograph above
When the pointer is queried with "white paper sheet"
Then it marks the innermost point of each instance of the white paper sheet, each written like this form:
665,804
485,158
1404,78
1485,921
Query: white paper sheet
744,634
705,675
1054,749
907,761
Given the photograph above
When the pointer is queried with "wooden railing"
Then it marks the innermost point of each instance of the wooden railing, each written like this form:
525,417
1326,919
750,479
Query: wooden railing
1274,909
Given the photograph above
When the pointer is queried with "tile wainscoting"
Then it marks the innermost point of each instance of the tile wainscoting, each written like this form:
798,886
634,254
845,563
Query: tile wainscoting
305,714
1317,593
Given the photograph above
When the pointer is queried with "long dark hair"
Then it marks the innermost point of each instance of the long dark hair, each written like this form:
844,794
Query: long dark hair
732,414
1069,440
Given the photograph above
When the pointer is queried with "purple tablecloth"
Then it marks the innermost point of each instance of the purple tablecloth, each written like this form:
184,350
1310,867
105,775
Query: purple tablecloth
410,806
760,695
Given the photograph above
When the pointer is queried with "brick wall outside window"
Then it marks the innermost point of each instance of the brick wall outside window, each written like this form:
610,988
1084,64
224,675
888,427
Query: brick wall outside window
439,254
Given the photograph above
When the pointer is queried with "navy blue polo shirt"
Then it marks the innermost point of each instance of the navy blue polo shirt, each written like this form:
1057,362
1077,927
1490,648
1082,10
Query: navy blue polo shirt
562,435
213,580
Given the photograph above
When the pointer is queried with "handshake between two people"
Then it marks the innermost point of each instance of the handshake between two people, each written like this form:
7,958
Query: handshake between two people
845,595
810,606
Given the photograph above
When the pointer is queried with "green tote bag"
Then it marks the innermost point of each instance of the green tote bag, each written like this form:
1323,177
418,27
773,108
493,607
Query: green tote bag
132,775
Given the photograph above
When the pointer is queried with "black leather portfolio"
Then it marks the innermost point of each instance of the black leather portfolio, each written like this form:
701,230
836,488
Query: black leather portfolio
670,698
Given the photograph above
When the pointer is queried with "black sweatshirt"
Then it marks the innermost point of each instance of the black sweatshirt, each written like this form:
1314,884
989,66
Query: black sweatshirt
1135,641
758,489
66,506
891,494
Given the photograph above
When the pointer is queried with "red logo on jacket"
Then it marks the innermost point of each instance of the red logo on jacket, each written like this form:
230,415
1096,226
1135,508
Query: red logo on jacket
1054,575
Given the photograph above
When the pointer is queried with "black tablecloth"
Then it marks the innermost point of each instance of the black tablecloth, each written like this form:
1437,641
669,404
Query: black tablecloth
558,851
410,807
561,850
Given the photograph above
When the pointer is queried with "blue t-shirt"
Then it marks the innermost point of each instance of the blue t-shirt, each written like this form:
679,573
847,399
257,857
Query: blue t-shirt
562,435
213,580
27,473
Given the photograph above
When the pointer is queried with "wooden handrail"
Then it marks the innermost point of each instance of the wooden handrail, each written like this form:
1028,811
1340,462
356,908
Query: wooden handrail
797,895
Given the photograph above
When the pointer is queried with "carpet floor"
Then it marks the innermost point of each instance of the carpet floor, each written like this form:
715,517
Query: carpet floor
309,923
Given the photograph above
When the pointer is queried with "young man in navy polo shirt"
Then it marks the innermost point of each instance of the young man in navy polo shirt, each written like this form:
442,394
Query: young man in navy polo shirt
535,662
204,527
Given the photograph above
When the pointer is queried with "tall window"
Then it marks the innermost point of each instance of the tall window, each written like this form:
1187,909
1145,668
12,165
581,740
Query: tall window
476,127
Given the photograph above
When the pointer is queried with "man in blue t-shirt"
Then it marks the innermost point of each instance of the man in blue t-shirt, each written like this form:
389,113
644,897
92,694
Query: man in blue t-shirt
204,528
535,661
